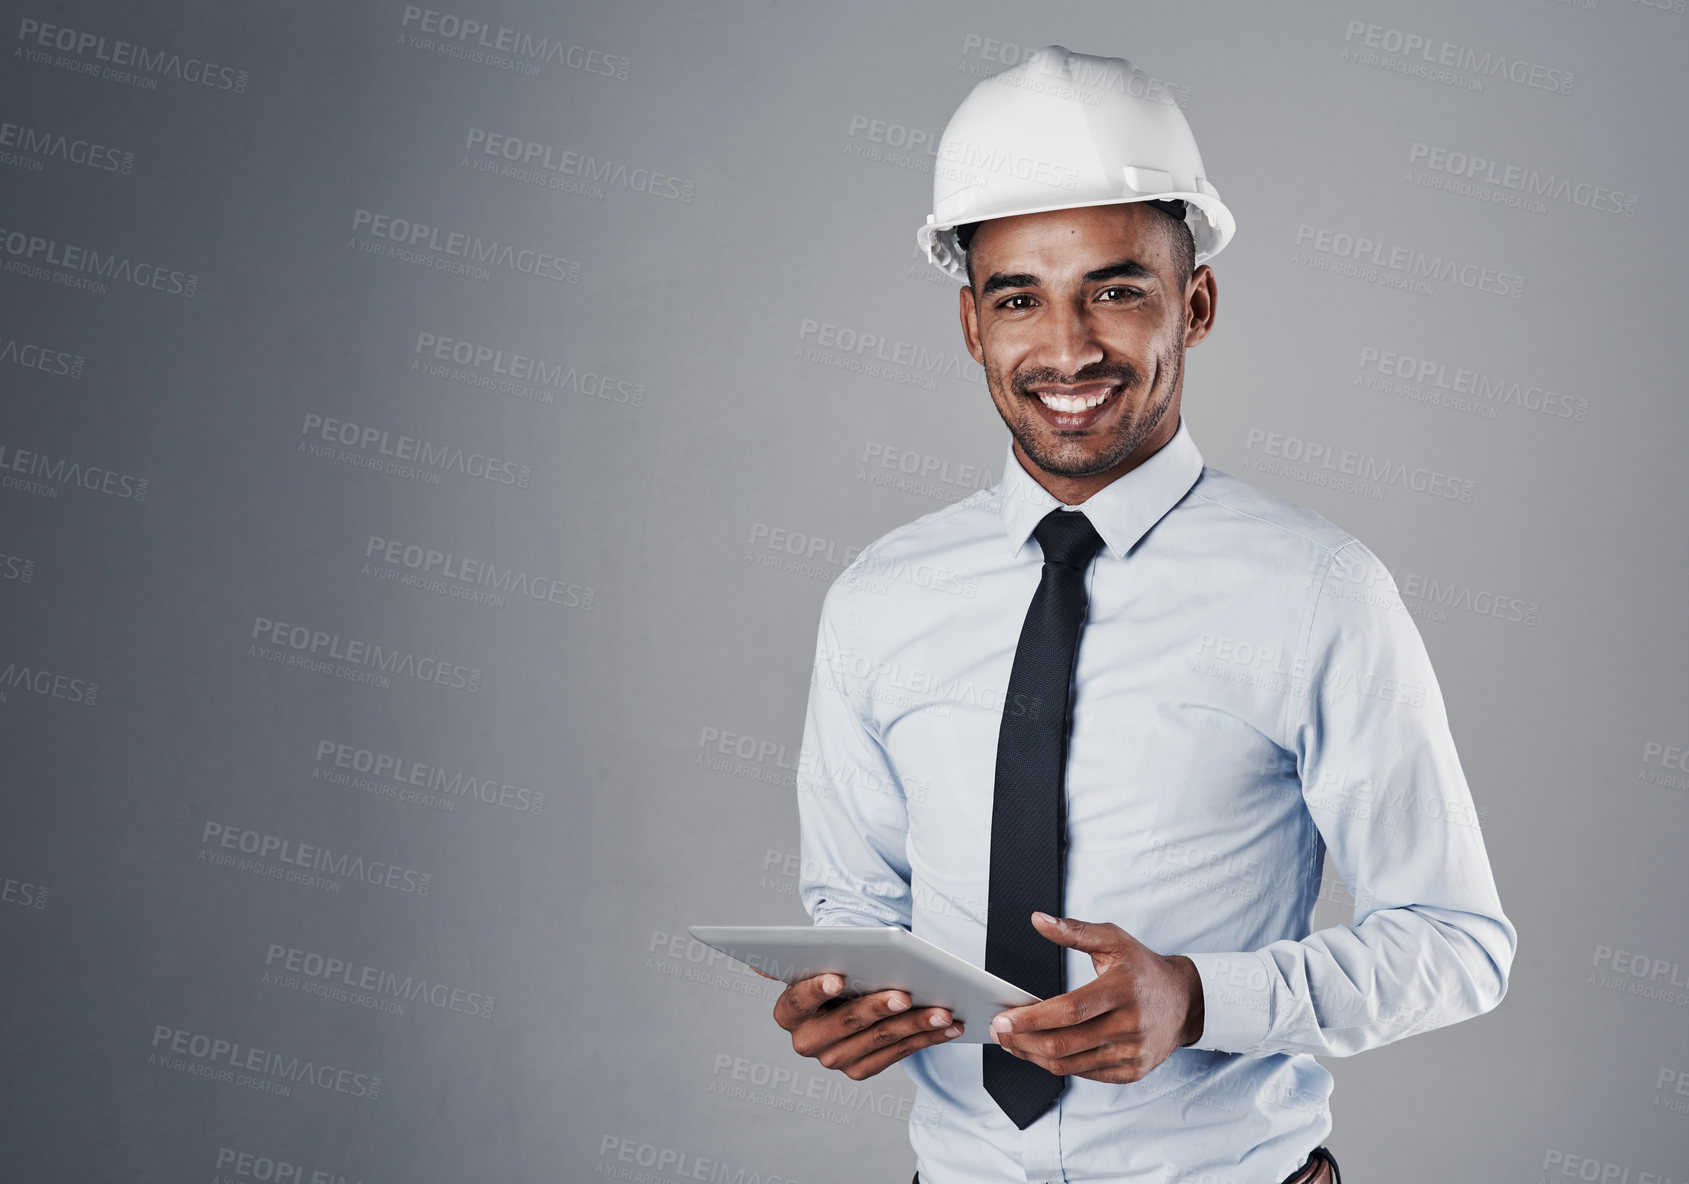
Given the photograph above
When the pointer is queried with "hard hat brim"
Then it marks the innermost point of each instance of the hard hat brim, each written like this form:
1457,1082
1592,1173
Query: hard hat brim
1211,229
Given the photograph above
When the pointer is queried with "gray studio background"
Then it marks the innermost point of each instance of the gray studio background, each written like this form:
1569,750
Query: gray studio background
417,913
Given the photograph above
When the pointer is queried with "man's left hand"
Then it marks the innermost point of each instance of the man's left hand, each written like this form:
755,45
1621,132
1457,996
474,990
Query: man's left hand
1121,1024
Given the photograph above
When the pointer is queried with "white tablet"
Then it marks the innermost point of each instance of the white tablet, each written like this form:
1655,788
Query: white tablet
873,958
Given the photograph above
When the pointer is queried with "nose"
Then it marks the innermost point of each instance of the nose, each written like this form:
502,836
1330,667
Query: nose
1068,339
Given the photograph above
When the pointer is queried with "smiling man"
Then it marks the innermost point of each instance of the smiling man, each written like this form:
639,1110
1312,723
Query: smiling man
1107,760
1088,317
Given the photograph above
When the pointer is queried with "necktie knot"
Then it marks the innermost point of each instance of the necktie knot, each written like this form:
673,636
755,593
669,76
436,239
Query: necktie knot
1068,538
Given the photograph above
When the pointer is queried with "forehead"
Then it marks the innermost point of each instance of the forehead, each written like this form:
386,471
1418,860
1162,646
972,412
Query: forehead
1074,240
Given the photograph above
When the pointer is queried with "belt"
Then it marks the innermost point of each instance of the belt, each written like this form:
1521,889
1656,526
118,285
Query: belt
1320,1168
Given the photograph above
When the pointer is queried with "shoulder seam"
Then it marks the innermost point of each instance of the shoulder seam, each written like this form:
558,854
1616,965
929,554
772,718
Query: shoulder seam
847,626
1305,633
1305,636
1279,525
931,517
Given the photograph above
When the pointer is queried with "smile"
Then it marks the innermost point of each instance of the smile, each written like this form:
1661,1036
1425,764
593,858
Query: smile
1075,402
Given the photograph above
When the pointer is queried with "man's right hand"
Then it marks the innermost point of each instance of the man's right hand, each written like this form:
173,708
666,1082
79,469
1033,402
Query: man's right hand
859,1036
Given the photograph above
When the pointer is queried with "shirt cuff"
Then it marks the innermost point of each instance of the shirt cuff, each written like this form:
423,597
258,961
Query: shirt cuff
1236,1001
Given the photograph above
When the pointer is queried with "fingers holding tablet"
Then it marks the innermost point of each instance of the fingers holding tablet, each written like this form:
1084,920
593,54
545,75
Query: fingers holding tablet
887,1048
851,999
859,1036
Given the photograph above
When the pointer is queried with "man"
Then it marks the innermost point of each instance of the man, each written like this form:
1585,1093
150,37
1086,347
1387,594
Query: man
1095,728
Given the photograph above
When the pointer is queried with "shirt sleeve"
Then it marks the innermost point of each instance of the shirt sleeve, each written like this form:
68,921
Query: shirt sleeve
1429,944
852,812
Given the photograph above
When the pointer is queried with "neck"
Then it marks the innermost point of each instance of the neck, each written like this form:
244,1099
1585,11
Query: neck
1076,491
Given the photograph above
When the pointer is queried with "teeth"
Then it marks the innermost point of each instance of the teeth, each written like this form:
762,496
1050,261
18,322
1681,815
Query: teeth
1072,403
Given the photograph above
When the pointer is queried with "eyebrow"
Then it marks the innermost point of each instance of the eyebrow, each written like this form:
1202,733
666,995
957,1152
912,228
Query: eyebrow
1126,269
999,281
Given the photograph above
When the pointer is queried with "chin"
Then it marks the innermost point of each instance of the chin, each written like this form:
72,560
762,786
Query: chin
1066,461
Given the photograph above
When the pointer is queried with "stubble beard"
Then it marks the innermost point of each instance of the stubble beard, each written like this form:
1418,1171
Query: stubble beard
1062,454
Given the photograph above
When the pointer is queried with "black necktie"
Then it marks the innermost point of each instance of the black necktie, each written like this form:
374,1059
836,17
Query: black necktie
1028,818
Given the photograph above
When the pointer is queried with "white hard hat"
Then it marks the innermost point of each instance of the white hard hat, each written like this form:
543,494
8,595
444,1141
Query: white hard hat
1062,130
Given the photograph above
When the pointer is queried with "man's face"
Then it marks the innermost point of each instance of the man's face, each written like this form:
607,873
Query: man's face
1084,305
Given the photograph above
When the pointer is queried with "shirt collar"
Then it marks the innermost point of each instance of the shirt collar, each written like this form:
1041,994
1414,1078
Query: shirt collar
1122,511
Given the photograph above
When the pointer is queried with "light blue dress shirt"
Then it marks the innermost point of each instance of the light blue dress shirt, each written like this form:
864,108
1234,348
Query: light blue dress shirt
1249,692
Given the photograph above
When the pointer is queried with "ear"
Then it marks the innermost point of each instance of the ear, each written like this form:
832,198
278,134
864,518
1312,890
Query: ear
1202,299
970,323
